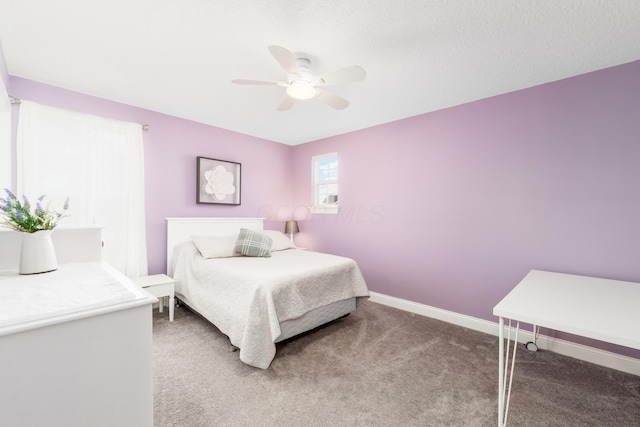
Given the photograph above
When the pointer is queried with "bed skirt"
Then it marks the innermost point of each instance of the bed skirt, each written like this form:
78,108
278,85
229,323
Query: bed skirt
306,322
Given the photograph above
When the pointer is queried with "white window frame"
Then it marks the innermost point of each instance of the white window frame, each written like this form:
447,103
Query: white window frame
315,181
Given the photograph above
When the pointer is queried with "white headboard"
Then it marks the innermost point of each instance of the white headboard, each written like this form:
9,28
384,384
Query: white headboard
180,230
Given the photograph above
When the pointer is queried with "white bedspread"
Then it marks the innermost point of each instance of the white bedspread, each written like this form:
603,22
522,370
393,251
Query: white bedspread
247,298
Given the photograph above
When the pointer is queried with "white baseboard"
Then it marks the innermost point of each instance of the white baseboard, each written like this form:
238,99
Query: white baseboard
567,348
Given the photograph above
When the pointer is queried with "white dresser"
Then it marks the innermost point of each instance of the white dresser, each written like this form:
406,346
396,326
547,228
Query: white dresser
75,346
75,243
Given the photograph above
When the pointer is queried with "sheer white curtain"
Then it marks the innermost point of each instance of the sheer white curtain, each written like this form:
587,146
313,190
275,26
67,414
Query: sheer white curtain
98,163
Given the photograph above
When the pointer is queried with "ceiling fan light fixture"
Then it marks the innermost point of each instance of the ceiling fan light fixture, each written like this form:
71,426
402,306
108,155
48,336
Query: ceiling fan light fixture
301,90
302,84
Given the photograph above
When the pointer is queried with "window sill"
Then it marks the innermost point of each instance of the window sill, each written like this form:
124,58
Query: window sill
330,210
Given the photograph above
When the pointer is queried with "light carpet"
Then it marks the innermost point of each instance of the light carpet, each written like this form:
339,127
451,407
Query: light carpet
378,367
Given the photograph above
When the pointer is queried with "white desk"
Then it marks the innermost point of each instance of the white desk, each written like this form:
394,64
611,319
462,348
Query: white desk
602,309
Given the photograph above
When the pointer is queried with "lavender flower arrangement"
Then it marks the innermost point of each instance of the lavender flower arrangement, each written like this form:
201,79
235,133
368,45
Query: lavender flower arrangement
19,216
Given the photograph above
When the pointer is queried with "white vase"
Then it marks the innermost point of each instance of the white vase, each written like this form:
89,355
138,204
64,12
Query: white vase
37,254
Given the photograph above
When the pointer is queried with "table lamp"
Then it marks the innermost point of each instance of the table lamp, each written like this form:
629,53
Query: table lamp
290,228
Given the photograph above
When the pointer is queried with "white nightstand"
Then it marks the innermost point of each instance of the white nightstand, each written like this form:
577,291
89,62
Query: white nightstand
160,286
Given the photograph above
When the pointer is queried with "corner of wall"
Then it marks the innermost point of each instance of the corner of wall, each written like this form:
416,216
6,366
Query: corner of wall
6,156
5,105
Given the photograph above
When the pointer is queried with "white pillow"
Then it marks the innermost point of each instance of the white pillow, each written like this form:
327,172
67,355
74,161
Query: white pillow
215,246
280,241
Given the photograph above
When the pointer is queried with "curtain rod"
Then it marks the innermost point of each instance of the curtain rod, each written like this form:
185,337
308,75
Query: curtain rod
14,100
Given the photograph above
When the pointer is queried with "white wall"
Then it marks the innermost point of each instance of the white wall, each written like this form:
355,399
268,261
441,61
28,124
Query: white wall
5,150
5,127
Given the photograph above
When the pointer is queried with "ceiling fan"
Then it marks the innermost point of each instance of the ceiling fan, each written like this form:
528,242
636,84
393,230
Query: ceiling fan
302,84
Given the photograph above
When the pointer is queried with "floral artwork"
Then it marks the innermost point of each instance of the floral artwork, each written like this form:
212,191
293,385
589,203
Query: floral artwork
218,181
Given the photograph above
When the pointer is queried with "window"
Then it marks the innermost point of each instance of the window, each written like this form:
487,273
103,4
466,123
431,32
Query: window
325,183
97,163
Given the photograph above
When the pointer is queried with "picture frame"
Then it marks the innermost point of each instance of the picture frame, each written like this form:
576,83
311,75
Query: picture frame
218,181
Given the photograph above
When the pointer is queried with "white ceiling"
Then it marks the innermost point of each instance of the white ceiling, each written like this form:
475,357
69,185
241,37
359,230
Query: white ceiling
179,56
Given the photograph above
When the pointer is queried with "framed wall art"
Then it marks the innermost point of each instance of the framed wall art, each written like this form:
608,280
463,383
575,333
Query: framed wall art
218,181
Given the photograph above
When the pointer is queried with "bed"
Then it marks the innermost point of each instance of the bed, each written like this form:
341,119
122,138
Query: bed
257,301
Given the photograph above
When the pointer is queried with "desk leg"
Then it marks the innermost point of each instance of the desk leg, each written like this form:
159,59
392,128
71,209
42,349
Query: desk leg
501,373
504,392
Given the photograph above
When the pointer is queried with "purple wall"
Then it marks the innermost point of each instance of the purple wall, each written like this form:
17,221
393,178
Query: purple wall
449,209
171,146
453,208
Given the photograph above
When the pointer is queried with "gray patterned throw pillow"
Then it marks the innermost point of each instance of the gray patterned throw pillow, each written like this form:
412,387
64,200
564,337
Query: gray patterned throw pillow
252,243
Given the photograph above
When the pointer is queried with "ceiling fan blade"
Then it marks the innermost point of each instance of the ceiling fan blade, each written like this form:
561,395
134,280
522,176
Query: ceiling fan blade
285,59
254,82
286,104
332,100
342,76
